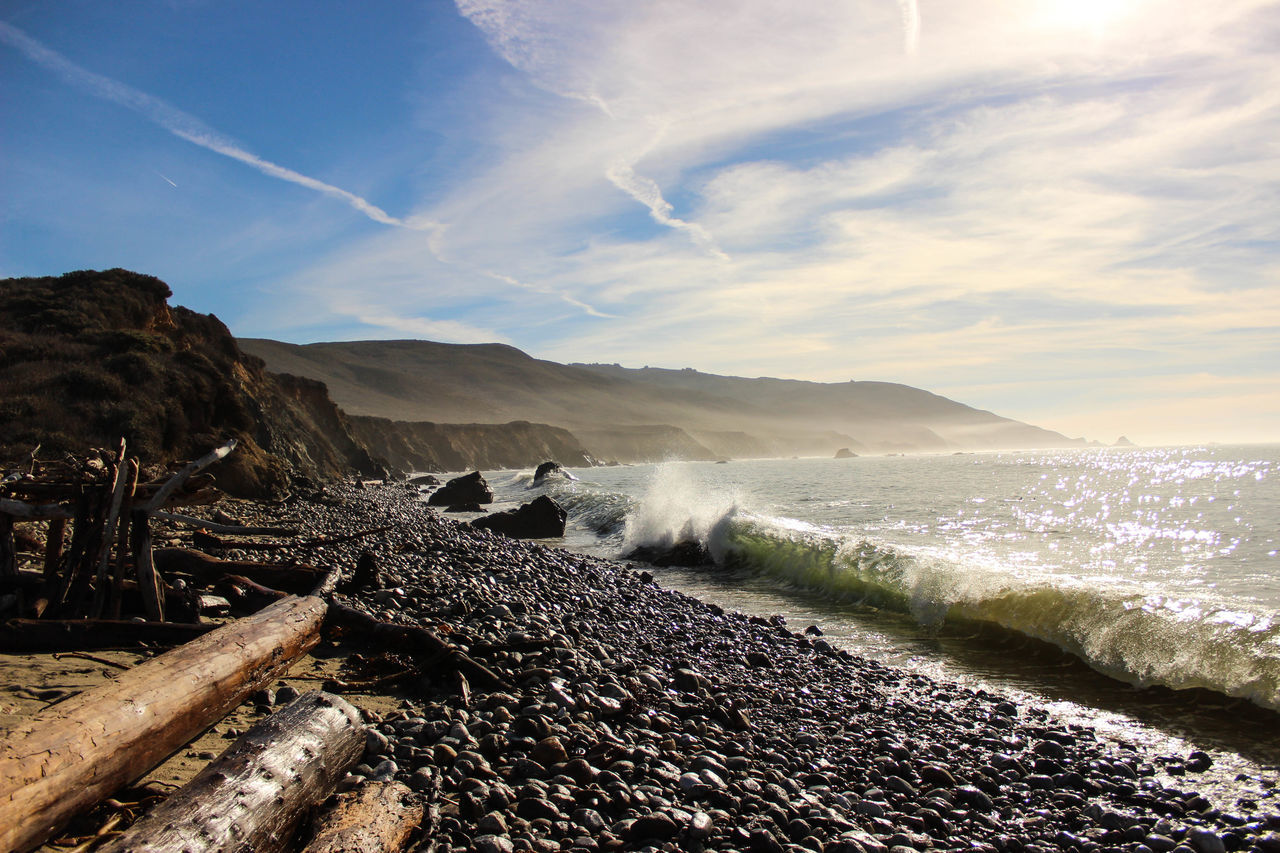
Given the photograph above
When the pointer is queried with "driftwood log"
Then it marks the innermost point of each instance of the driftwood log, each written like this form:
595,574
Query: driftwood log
298,579
68,757
253,796
422,644
32,636
377,817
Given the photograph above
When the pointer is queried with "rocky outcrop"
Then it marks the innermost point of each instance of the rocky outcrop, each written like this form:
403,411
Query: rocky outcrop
469,489
686,552
426,446
541,518
549,469
845,453
90,357
645,443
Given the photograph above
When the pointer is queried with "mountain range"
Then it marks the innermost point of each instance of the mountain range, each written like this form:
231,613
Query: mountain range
641,414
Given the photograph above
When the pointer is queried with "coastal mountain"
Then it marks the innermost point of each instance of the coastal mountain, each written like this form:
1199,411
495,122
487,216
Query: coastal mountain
642,414
88,358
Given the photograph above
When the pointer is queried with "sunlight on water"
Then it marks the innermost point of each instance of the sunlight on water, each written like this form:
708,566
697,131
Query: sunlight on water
1153,566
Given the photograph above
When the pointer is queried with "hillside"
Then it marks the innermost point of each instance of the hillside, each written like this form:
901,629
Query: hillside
640,414
90,357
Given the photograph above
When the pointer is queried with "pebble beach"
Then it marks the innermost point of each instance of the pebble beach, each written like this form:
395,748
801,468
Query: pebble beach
638,718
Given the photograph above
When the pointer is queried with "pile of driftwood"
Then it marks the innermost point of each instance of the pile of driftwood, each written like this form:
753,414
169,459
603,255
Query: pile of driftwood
72,755
67,758
98,535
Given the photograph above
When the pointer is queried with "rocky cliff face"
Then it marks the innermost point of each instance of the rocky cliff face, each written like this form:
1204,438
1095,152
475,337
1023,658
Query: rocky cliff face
89,357
649,443
426,446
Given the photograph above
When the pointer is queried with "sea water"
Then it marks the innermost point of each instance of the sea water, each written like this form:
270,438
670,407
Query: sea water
1135,590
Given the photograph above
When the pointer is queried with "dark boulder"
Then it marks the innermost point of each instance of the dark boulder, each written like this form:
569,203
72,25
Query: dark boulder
684,553
468,489
546,469
542,518
424,480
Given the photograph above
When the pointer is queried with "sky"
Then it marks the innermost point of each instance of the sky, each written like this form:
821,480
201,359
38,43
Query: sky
1063,211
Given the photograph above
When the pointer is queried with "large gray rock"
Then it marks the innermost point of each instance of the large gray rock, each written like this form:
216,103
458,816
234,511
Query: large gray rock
468,489
539,519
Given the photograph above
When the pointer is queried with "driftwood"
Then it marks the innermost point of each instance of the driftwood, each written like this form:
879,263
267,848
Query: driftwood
33,636
176,482
109,532
225,529
31,512
297,579
377,817
66,758
207,540
254,795
408,639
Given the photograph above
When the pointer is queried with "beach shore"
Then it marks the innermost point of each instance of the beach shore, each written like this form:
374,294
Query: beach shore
634,717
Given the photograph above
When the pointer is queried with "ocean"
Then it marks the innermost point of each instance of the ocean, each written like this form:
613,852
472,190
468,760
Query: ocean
1134,590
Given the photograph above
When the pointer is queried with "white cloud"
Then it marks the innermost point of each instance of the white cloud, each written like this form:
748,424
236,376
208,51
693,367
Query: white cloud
976,195
449,331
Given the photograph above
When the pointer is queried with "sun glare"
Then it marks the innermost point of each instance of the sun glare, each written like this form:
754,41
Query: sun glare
1096,17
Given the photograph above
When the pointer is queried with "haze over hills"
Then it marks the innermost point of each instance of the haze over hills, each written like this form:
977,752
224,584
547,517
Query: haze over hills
642,414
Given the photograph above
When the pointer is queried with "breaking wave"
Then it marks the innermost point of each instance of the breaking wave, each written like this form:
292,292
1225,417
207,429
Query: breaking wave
1120,630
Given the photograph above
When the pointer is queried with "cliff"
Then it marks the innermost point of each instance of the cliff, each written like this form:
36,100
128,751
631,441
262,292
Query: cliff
90,357
427,446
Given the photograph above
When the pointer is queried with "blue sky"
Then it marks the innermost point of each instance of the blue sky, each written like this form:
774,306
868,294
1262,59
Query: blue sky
1065,211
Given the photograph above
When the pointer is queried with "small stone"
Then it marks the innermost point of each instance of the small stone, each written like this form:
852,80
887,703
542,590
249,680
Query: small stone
493,844
590,820
700,826
492,823
656,825
1206,841
549,751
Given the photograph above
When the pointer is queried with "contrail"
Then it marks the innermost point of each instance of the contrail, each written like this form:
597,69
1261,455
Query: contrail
547,291
647,192
186,126
910,25
166,179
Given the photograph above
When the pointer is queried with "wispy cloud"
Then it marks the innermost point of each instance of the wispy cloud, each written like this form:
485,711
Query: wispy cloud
186,126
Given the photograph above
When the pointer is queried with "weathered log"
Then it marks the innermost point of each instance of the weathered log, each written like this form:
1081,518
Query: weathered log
175,482
33,636
121,482
409,639
290,578
145,567
122,549
32,512
377,817
225,529
252,797
66,758
207,540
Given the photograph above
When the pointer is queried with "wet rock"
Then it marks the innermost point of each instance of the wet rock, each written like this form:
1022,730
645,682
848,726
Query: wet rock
493,844
549,751
541,518
658,826
470,488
